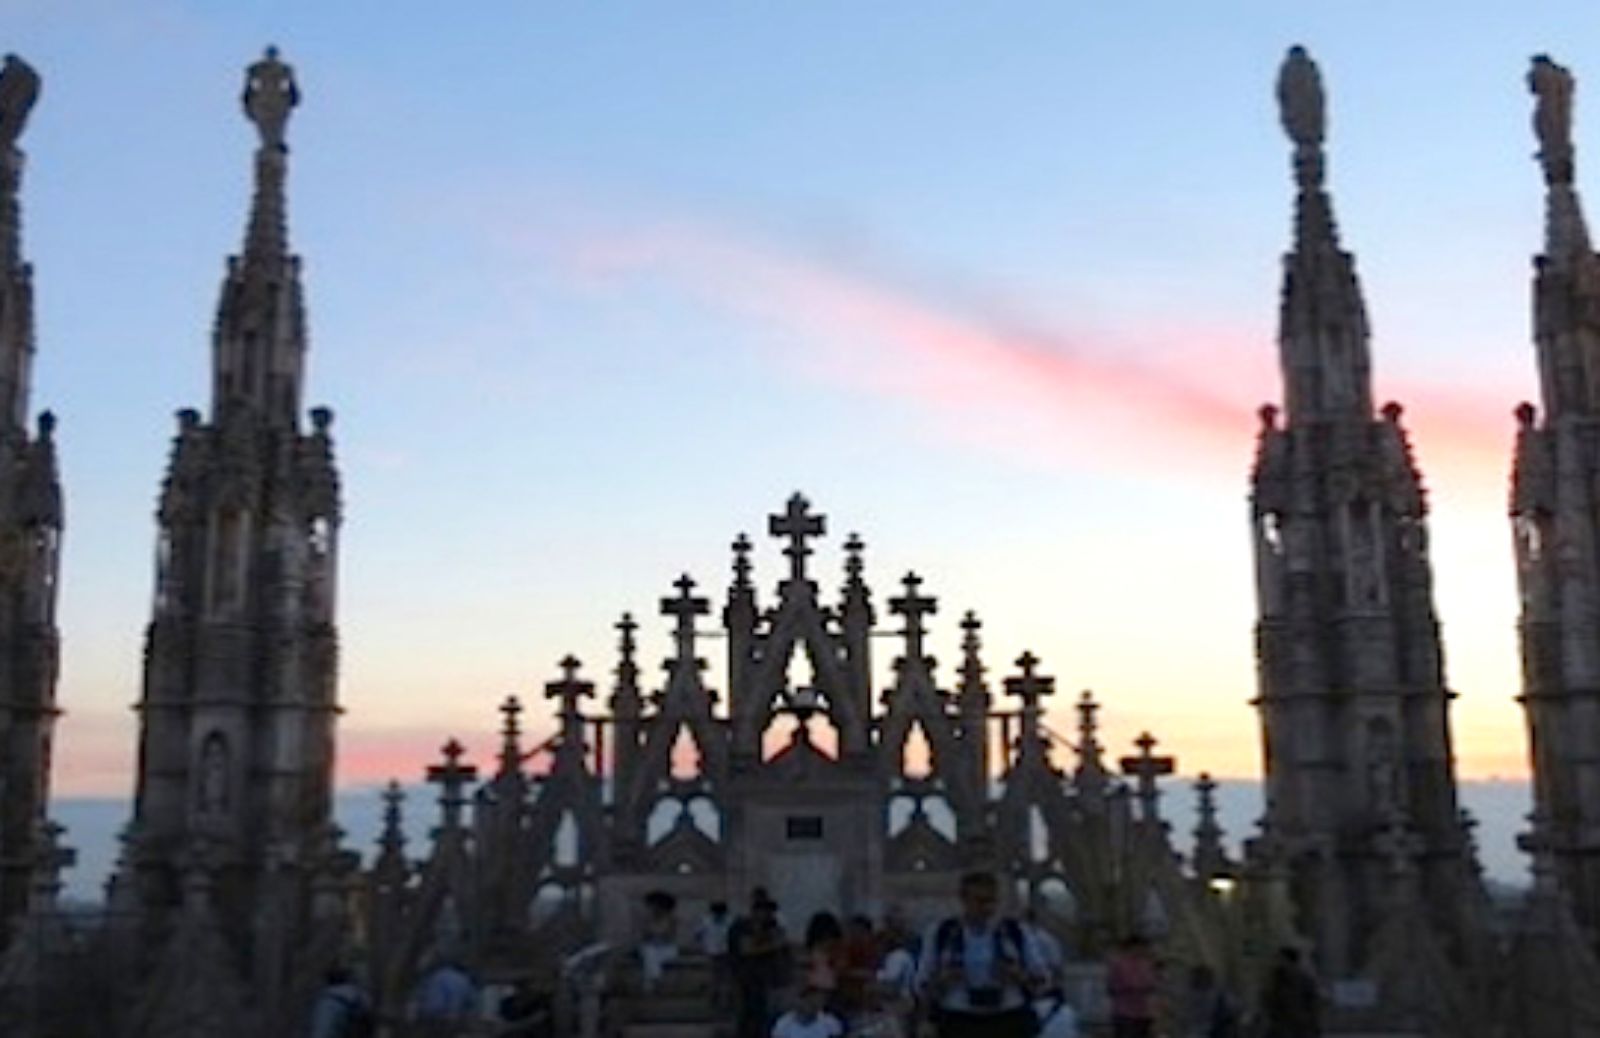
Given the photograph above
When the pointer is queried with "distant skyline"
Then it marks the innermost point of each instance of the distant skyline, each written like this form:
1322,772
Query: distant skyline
592,291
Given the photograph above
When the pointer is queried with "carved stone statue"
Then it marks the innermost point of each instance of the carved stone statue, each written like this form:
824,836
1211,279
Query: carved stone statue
1300,99
19,89
214,775
1552,117
270,94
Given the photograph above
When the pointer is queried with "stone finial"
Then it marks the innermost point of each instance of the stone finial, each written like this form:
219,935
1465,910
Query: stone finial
857,596
625,699
19,91
1146,768
1525,414
797,524
1301,104
511,736
972,667
741,563
51,857
1210,859
1088,726
270,94
47,425
321,420
392,838
1553,85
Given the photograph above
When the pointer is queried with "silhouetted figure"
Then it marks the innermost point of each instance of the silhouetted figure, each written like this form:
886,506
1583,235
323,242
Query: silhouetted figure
1291,1005
759,951
658,944
711,937
1131,982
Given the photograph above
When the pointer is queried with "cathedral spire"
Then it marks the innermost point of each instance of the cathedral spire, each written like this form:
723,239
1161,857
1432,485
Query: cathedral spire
259,341
1567,282
19,89
1322,334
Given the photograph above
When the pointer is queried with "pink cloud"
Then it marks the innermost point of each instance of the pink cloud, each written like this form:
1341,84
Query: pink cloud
1159,396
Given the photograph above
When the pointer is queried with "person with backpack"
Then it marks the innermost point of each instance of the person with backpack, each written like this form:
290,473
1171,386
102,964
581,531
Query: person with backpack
342,1010
979,969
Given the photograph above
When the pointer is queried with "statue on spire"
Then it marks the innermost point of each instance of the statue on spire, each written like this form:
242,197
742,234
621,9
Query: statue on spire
19,89
1552,84
270,94
1301,105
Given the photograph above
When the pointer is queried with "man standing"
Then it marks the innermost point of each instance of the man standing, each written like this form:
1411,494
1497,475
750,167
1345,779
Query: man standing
979,969
759,952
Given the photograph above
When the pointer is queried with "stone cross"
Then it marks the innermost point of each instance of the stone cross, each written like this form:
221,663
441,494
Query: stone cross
797,524
914,607
1146,767
570,690
452,778
684,607
1030,687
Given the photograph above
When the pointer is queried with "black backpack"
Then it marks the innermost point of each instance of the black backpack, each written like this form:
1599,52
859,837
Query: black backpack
359,1020
950,939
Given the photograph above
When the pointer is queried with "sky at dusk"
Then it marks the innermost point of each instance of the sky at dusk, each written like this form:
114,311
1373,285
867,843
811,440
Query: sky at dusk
592,289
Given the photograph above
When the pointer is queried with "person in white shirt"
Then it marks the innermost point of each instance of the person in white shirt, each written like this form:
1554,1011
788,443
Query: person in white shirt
808,1019
712,939
896,984
978,970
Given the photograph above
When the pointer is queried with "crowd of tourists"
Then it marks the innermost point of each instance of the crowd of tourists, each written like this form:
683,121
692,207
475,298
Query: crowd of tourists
977,973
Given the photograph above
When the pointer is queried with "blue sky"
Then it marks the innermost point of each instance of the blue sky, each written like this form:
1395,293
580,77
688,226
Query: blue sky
592,289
